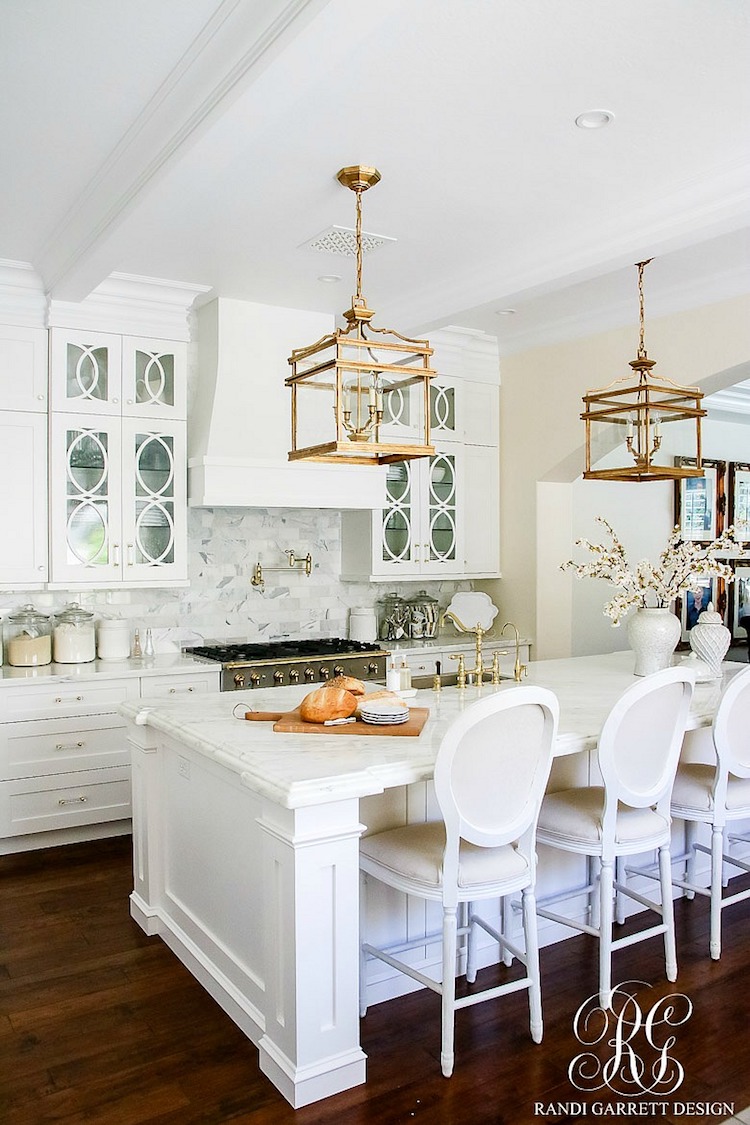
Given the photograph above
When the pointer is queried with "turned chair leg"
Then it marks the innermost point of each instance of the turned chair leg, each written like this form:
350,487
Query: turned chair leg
606,880
667,911
448,990
717,863
507,926
531,940
691,834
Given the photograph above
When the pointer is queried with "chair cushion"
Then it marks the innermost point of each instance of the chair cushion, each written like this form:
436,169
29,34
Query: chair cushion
416,851
692,789
575,815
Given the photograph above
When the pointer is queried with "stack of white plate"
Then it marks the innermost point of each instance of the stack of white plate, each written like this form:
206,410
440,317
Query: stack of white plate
384,712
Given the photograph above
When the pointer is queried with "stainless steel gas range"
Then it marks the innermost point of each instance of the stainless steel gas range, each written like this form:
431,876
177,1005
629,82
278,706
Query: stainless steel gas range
276,663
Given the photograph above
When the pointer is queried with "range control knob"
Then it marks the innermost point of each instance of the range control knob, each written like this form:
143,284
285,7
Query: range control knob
278,676
294,676
254,679
338,670
309,675
324,672
372,667
239,679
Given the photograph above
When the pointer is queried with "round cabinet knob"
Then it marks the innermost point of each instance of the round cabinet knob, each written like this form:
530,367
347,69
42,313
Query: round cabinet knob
324,673
278,676
309,675
294,676
239,679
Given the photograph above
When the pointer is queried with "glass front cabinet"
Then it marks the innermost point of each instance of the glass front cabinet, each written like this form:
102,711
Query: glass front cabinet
118,504
122,376
419,527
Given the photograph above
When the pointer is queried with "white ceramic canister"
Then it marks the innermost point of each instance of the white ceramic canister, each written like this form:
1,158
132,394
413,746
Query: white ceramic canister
363,624
710,640
113,639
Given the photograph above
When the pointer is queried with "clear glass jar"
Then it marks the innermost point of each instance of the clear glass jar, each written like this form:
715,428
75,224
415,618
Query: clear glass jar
394,617
29,638
424,612
74,639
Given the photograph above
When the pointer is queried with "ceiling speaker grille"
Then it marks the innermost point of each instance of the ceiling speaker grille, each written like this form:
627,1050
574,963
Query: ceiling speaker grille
342,241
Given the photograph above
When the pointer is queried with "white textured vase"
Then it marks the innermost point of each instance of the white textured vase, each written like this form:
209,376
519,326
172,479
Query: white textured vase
710,640
653,635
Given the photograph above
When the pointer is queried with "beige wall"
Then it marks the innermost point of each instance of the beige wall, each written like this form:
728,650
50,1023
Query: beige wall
541,456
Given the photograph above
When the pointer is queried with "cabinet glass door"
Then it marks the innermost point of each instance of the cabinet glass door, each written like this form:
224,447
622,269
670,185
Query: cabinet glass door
85,372
154,501
398,516
153,379
85,502
443,423
442,510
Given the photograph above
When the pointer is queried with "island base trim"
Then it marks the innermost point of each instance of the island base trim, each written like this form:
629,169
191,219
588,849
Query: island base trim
303,1085
244,1014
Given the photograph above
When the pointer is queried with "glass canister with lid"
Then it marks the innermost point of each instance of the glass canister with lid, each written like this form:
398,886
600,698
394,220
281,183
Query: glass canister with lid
74,639
394,617
29,637
424,613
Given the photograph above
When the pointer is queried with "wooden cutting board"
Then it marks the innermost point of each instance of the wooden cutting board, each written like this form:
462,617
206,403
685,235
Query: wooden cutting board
291,723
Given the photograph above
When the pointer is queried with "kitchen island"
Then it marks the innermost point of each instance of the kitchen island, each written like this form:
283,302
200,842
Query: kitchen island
246,847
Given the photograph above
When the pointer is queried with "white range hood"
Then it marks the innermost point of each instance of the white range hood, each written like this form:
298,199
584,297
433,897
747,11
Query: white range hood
239,431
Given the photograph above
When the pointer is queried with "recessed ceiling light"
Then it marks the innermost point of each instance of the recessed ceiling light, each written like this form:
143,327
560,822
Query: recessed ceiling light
505,312
329,278
594,119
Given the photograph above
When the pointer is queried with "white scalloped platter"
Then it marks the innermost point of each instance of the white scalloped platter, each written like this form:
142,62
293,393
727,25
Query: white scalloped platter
473,608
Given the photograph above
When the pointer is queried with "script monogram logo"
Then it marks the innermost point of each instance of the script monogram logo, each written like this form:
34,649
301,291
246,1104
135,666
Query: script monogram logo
633,1043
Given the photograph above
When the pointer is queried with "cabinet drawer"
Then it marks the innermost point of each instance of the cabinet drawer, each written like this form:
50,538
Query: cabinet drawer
89,797
48,701
169,686
55,746
424,663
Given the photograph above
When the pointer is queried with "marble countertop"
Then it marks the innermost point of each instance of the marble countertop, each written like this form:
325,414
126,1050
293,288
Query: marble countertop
170,664
296,770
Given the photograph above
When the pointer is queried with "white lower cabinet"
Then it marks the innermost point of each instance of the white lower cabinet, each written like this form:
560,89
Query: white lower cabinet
64,761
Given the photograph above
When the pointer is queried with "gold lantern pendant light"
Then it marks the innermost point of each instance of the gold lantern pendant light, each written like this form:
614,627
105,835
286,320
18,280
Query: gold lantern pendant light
641,407
372,400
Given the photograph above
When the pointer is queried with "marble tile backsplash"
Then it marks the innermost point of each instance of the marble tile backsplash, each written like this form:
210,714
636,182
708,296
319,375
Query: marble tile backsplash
220,602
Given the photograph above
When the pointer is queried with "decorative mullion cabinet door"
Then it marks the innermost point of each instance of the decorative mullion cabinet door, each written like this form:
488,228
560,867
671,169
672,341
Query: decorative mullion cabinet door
86,372
86,515
154,502
154,379
441,552
400,545
445,409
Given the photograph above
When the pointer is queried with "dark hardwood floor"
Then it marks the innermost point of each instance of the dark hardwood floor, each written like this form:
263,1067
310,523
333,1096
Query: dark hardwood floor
101,1024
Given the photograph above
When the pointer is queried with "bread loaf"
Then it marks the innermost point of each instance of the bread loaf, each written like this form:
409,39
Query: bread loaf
330,702
348,683
380,695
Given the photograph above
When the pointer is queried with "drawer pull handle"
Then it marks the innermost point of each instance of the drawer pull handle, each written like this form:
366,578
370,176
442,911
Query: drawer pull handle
70,746
63,699
174,690
72,801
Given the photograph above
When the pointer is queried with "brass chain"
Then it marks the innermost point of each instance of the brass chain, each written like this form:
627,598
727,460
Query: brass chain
642,337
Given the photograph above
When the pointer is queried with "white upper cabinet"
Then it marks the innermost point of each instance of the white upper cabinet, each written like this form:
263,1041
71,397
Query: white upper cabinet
23,499
106,374
23,456
118,504
441,517
23,368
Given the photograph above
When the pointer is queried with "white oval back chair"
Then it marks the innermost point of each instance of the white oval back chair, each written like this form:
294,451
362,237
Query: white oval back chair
717,794
638,750
491,771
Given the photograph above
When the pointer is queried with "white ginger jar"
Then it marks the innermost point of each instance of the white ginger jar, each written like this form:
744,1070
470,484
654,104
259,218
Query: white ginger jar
653,635
710,640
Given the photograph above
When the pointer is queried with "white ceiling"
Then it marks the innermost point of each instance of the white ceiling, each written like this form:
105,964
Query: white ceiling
198,141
